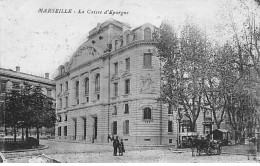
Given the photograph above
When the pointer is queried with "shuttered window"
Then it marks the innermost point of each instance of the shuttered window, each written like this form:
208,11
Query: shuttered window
126,127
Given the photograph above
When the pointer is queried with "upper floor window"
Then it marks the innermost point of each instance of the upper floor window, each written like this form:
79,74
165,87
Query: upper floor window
127,39
61,87
97,83
126,109
147,60
114,110
147,34
147,113
86,86
3,87
67,101
116,68
127,86
67,85
49,93
127,64
116,89
77,89
60,102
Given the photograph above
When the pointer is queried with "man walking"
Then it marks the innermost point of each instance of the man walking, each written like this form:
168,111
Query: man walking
115,145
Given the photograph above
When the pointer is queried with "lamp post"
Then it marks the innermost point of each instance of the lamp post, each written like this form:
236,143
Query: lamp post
178,128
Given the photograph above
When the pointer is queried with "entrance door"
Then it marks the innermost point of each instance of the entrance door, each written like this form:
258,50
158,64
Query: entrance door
95,127
75,129
84,128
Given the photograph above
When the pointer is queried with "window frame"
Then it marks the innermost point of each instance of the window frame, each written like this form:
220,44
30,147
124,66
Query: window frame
127,64
145,118
127,86
116,89
97,83
146,63
86,82
147,33
116,67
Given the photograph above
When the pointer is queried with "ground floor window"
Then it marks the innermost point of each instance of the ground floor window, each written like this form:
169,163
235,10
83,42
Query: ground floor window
170,126
114,127
59,131
65,130
126,127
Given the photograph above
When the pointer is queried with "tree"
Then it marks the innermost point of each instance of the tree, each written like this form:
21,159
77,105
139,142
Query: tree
13,110
43,112
183,61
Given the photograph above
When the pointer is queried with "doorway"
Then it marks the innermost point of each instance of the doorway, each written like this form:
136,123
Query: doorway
95,128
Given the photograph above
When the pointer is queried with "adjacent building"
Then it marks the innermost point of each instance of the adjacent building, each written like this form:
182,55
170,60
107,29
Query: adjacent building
10,79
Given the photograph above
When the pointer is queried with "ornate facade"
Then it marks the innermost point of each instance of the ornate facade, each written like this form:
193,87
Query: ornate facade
110,86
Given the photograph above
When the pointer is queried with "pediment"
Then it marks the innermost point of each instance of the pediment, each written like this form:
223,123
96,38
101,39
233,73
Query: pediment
83,55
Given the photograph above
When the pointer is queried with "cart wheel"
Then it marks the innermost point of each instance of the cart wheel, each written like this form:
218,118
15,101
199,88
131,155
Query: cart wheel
209,151
219,150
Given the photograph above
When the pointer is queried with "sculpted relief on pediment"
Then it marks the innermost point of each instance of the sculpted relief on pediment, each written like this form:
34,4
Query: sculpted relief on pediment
83,54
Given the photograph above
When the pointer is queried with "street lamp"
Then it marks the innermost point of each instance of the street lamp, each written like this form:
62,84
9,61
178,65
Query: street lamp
178,118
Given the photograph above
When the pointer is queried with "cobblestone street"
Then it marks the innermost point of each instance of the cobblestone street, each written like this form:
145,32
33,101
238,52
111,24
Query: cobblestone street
77,152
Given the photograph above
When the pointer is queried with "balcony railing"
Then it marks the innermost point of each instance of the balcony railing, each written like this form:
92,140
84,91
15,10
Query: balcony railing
207,121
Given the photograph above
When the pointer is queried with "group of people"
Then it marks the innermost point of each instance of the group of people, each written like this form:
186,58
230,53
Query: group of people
118,145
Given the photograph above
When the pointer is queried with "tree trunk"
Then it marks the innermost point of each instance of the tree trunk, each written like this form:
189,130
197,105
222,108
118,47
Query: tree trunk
14,133
37,132
22,135
218,125
26,132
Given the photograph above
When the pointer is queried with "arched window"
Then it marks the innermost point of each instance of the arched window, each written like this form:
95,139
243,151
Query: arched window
147,113
97,83
147,34
86,86
77,88
127,39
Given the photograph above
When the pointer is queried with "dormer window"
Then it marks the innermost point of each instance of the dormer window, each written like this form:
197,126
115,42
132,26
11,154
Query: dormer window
147,34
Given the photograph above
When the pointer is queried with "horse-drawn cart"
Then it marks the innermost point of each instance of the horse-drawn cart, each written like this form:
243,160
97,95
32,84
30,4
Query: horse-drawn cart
206,146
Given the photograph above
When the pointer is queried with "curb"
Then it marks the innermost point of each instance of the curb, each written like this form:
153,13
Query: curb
26,150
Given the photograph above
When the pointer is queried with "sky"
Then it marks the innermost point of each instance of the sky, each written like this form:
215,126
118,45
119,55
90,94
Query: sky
40,42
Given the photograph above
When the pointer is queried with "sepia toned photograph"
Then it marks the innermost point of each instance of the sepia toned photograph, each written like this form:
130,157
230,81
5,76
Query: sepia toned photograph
130,81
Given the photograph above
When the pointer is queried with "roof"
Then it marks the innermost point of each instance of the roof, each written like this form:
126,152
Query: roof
223,130
25,76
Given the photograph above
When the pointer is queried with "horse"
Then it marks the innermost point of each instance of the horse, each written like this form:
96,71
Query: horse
199,144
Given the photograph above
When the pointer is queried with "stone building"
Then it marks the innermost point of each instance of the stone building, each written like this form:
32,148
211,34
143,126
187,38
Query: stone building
10,78
110,86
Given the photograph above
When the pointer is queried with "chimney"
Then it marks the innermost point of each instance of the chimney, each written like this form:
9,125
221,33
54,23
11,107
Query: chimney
18,68
47,75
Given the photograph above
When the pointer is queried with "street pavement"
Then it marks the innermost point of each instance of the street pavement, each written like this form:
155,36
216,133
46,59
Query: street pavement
80,152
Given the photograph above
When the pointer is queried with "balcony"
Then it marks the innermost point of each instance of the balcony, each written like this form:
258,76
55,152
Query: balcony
207,121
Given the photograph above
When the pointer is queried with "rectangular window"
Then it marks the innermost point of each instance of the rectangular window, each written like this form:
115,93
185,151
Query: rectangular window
49,93
67,85
127,64
59,131
116,89
114,110
66,118
126,127
77,89
170,126
126,109
67,102
61,87
127,86
65,130
114,127
147,60
116,68
170,111
60,102
3,87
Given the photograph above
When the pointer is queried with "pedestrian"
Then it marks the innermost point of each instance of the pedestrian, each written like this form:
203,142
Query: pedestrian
115,145
121,148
